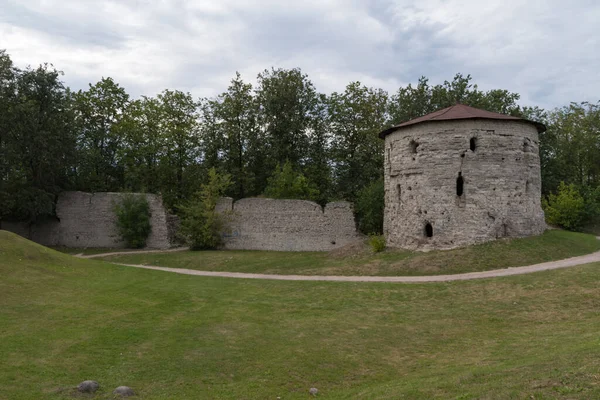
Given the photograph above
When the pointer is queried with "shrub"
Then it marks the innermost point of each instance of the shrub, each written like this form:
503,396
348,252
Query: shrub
285,183
201,225
591,197
566,208
377,243
369,207
133,220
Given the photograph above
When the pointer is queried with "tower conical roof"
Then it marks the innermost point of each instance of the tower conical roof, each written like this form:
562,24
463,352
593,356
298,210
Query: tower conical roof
460,111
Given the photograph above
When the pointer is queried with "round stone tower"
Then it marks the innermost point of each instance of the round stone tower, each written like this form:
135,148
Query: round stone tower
461,176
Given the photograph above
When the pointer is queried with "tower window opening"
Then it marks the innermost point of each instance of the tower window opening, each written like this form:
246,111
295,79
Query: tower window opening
413,146
473,144
399,190
460,184
428,230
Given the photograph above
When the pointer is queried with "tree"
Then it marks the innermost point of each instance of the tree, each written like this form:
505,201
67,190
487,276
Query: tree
133,220
287,101
38,142
180,128
566,208
141,129
318,159
201,224
356,117
7,100
231,136
285,183
99,110
369,208
570,149
412,102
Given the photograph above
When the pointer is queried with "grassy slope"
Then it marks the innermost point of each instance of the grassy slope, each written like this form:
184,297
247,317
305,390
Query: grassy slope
171,336
89,250
553,245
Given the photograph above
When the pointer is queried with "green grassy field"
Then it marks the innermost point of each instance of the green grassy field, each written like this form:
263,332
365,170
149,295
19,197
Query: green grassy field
170,336
90,250
552,245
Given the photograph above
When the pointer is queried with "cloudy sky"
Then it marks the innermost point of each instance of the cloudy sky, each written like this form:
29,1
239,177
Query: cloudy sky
546,50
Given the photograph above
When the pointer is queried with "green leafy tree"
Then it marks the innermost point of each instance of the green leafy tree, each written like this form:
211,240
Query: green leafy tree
7,100
317,167
289,184
570,149
414,101
369,208
231,125
133,220
201,224
38,142
179,175
566,208
287,102
143,145
356,118
99,110
591,198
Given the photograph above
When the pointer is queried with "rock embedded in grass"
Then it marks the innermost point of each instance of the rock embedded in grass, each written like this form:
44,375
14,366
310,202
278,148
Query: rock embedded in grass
313,391
88,386
124,391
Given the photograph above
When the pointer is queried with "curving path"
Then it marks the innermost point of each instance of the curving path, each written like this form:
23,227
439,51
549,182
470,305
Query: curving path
569,262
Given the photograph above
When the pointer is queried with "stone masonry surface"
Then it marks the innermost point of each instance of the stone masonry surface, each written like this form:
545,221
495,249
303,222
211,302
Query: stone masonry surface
456,183
88,220
288,225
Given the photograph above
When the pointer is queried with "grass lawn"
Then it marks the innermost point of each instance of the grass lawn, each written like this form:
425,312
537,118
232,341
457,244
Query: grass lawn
552,245
89,250
170,336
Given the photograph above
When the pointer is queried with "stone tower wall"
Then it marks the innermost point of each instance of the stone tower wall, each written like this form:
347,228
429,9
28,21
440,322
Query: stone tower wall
501,183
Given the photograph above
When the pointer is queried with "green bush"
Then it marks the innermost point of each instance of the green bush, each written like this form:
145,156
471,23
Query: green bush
369,207
285,183
591,197
566,208
201,226
133,220
377,243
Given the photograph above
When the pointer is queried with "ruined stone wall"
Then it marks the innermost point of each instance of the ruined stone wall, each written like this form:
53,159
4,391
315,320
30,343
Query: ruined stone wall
501,183
288,225
88,220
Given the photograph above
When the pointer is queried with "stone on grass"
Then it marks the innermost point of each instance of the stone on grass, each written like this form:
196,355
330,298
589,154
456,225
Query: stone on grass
313,391
124,391
88,386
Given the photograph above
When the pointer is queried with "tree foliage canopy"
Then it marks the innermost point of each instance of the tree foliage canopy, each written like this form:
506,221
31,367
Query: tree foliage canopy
285,183
280,137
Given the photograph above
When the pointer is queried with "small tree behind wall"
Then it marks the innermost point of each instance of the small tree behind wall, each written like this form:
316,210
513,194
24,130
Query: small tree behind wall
285,183
201,225
133,220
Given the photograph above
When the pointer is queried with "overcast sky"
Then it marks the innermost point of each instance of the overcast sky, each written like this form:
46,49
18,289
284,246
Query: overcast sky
546,50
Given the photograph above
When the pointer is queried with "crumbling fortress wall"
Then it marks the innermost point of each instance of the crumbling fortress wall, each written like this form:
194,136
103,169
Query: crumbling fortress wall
88,220
459,182
288,225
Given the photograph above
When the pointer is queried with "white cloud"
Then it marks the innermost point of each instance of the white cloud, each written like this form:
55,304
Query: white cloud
545,50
